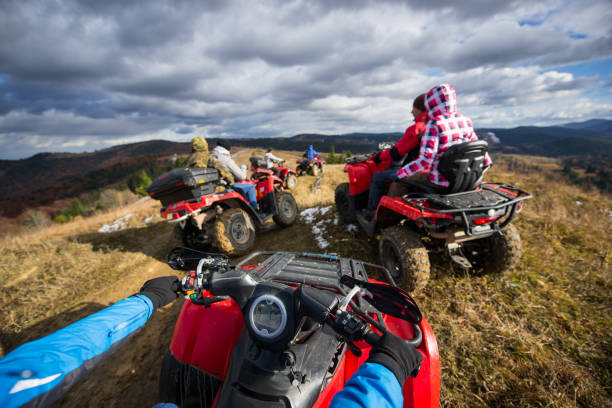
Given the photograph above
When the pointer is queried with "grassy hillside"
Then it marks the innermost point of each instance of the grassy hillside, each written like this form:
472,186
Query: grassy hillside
537,336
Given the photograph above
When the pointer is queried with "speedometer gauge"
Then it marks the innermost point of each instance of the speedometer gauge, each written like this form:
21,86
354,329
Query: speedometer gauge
268,316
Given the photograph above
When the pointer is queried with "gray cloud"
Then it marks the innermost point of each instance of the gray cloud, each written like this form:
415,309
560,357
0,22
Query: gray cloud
78,75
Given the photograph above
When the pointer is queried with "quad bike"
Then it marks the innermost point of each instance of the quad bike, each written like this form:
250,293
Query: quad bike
287,331
313,167
226,219
469,220
286,174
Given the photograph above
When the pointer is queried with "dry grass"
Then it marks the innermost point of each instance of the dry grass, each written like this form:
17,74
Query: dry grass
536,336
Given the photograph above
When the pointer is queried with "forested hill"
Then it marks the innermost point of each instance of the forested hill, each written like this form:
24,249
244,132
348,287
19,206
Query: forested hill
46,177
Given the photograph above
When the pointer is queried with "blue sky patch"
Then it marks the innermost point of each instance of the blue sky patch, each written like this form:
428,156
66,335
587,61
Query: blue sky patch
603,68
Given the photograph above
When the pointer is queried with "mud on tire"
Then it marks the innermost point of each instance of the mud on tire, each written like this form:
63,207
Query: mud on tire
233,232
342,201
287,209
403,253
290,181
496,253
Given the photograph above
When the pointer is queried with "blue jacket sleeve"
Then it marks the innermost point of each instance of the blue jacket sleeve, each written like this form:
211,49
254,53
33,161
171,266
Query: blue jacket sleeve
373,385
39,372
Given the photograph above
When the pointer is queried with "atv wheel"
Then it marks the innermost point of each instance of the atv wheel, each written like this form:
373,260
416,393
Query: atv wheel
496,253
287,209
234,232
186,386
402,252
342,199
194,238
315,170
290,181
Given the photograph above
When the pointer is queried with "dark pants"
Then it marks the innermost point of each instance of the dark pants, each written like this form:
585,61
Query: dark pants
378,186
399,188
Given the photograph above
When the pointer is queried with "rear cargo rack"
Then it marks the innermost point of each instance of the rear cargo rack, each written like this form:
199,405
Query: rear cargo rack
469,202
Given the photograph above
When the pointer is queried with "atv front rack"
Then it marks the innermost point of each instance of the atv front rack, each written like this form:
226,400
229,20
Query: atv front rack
490,196
313,269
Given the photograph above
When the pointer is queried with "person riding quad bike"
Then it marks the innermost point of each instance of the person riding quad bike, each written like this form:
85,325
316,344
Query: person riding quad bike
38,373
274,165
211,211
311,163
445,209
406,149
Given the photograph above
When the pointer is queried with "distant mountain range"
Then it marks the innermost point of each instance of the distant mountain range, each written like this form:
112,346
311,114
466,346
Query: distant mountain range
46,177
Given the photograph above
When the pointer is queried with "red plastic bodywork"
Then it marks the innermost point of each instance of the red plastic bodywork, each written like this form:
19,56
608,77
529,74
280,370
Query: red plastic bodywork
205,337
360,175
398,205
180,208
283,171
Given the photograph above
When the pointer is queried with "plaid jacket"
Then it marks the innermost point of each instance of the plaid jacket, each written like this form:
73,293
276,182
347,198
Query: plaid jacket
444,129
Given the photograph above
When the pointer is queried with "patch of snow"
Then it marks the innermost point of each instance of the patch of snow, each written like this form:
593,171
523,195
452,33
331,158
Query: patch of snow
309,214
351,228
117,225
336,220
578,202
324,210
149,219
321,242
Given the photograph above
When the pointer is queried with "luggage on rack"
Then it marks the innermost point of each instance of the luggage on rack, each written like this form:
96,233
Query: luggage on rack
184,184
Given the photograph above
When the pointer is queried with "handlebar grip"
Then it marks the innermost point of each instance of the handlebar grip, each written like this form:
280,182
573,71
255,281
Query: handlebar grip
372,338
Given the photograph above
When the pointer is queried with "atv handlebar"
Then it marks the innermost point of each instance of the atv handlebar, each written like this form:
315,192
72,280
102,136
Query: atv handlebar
341,313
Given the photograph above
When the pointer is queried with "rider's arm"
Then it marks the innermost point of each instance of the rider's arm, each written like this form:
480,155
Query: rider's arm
238,173
409,141
427,153
377,383
373,385
41,371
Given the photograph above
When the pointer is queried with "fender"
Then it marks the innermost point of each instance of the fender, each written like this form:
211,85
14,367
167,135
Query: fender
232,199
204,337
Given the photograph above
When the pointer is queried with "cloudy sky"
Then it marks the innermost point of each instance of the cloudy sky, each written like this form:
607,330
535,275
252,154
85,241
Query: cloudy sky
84,75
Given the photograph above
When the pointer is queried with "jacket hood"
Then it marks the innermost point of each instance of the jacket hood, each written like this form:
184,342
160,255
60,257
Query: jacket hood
440,100
199,145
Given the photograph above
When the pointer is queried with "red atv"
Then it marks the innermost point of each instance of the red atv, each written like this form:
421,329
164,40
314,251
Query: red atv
286,332
470,220
286,174
226,219
313,167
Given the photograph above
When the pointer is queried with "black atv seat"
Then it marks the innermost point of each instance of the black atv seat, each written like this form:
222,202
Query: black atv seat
257,162
462,165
